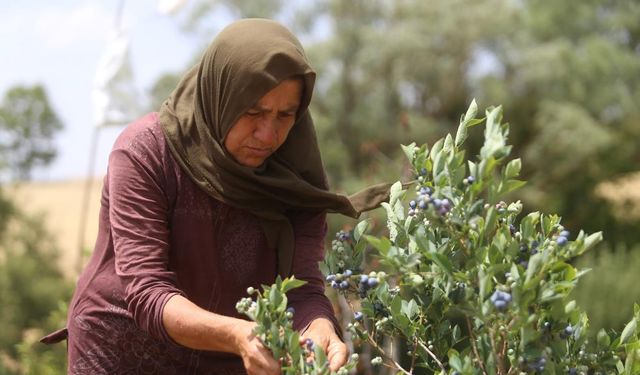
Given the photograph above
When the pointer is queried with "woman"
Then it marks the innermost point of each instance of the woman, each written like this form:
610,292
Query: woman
221,190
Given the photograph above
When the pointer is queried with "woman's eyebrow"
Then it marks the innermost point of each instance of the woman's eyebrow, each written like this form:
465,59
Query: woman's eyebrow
290,108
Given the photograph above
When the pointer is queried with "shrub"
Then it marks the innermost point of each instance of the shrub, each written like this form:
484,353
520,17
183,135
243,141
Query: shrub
467,283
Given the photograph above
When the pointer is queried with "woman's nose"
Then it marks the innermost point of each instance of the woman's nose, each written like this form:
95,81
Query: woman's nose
266,131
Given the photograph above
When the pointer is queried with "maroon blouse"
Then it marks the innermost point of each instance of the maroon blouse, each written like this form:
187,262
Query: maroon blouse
161,235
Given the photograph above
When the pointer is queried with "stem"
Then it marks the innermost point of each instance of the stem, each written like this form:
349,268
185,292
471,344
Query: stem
475,348
413,357
384,354
497,358
433,356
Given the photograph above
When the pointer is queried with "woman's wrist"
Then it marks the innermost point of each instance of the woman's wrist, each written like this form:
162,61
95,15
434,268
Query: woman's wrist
196,328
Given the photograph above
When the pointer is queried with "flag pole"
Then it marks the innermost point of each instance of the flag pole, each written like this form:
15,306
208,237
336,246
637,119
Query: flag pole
84,210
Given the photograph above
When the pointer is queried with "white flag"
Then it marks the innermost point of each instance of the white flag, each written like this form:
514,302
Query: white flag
116,100
170,7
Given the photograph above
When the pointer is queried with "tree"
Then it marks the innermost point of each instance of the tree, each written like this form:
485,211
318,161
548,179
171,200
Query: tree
31,284
27,127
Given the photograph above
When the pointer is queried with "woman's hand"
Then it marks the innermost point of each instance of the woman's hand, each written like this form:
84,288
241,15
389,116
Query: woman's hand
322,332
257,359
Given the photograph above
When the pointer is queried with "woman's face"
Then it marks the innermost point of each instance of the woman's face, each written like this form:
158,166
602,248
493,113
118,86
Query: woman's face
265,126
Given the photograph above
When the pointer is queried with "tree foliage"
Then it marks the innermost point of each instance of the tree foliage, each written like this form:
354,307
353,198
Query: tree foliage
27,127
31,284
389,72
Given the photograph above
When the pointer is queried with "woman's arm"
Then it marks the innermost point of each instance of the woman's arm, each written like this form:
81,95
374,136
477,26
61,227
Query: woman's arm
191,326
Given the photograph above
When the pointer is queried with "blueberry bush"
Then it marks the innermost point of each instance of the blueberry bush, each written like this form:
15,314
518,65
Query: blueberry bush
464,282
275,329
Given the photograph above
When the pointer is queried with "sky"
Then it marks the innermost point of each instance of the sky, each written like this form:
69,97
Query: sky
58,43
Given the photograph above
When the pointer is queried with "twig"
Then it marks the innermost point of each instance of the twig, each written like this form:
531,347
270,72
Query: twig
433,356
495,354
475,348
396,364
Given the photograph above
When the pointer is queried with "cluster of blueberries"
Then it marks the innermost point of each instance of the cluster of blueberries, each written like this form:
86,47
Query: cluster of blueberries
365,283
343,236
340,281
500,300
537,365
423,199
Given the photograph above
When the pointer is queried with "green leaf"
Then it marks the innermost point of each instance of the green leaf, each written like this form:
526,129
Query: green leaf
275,297
461,134
603,339
454,360
360,229
510,185
409,309
409,151
494,140
513,168
291,283
442,261
535,263
628,331
472,111
381,244
391,220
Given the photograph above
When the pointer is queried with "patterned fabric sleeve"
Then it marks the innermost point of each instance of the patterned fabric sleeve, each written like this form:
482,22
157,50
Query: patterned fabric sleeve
138,213
309,301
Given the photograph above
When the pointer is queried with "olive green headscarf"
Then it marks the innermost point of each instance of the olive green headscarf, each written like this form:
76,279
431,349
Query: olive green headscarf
245,61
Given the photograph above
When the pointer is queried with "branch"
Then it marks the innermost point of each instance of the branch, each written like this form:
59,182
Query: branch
475,348
433,356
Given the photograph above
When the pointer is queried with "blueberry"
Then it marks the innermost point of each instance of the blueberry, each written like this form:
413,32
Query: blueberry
291,310
335,284
423,171
344,285
471,179
309,344
523,248
500,304
437,203
423,205
573,371
506,297
364,279
412,204
411,212
565,233
342,236
512,229
500,299
568,330
561,241
446,204
358,316
331,277
347,273
372,282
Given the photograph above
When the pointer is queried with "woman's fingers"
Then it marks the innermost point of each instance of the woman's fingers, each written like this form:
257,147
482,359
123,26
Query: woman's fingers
258,360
